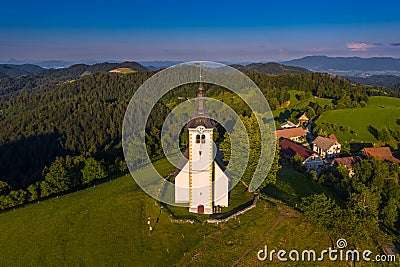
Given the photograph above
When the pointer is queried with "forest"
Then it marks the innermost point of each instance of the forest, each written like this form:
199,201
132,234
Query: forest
60,126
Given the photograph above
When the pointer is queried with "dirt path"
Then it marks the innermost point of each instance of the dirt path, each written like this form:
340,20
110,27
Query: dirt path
284,213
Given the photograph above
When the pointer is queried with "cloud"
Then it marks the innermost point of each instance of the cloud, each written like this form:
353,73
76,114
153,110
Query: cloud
360,46
395,44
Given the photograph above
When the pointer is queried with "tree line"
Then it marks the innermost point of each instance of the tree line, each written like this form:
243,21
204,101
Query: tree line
47,117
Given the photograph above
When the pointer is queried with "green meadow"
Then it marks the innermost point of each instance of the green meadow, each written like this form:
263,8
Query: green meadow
381,112
107,225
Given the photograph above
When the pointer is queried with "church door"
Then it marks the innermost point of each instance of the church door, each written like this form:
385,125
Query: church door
200,209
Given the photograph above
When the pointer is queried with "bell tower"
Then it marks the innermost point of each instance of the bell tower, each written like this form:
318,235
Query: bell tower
201,158
200,181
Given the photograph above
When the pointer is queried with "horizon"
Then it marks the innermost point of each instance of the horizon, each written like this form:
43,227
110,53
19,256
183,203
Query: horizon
68,63
180,31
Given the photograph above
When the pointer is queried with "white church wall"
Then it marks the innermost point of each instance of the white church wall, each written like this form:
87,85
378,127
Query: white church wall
221,187
182,185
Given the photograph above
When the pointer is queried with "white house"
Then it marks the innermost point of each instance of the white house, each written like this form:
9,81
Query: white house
200,181
326,147
288,124
311,160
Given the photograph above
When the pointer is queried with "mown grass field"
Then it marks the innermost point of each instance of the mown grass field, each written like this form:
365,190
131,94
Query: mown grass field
300,105
106,225
380,112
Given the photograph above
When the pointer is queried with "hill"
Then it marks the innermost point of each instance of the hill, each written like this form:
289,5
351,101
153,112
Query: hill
360,124
107,225
324,63
11,70
376,80
271,68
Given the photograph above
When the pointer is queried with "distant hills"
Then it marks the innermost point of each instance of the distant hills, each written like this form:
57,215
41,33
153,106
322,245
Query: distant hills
346,64
72,72
12,70
271,68
377,80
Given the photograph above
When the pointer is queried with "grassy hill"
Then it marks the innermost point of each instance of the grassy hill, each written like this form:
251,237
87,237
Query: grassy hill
107,225
299,105
271,68
381,111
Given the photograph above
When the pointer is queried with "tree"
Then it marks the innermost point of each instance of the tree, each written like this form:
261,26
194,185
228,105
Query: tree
56,180
93,170
390,213
275,167
4,188
33,191
322,212
298,162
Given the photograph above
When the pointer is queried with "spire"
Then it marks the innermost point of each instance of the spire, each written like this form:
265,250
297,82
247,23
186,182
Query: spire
200,109
200,116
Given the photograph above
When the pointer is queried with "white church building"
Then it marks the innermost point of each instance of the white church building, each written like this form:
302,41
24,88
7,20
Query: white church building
199,180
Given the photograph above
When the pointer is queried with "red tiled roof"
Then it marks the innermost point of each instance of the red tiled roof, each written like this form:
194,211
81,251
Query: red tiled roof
332,136
291,149
347,161
382,153
291,132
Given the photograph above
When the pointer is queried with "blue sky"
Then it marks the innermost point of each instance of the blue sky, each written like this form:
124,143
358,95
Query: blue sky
203,30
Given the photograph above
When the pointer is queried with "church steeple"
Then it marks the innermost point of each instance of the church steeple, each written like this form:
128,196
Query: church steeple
200,115
201,109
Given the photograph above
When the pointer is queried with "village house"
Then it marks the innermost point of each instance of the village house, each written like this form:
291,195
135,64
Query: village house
348,162
294,134
326,147
288,124
303,119
382,153
311,160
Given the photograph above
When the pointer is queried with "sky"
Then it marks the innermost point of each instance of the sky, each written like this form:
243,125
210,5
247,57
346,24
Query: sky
232,31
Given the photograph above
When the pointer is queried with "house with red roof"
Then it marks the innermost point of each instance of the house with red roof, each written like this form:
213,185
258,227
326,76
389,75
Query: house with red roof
382,153
294,134
348,162
311,160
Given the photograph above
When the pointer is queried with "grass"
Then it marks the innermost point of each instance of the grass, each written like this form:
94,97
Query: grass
292,186
380,112
106,225
123,70
298,106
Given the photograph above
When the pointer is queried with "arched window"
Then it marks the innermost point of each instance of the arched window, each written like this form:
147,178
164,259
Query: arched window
203,138
197,138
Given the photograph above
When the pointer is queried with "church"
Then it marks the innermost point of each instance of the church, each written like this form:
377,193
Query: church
199,179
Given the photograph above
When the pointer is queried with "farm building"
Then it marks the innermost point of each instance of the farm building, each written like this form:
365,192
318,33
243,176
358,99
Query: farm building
294,134
288,124
382,153
348,162
311,160
326,147
303,119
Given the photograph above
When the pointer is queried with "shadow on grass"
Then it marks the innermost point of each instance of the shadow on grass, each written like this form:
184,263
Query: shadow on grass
355,147
373,131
